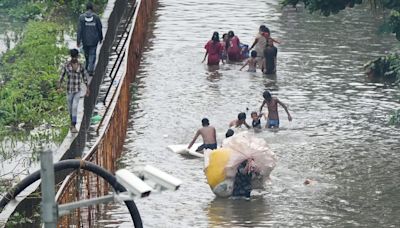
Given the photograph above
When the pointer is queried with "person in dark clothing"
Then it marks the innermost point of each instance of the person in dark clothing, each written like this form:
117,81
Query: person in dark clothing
89,34
270,53
256,123
242,184
229,133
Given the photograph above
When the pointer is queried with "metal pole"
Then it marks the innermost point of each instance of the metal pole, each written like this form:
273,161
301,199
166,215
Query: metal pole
64,209
48,205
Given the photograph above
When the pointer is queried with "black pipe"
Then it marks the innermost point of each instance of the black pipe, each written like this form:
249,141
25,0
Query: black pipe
76,164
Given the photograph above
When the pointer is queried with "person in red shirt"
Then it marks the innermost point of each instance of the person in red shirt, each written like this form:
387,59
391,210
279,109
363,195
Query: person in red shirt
234,47
213,50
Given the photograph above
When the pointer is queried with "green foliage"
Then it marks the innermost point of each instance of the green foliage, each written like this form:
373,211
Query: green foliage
395,118
385,66
21,219
79,6
30,72
328,7
30,9
11,3
27,11
394,23
325,7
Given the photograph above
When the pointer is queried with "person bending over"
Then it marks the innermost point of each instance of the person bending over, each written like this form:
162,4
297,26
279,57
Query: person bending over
241,120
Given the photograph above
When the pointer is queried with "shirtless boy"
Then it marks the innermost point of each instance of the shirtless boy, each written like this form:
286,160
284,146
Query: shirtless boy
272,105
208,134
241,120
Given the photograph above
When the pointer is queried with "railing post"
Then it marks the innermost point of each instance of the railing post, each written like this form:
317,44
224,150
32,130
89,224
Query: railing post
49,208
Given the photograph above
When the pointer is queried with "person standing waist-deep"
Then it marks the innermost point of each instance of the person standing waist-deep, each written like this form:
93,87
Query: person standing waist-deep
89,34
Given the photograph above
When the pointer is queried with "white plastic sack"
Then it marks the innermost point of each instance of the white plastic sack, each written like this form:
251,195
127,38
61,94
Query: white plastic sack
224,189
244,146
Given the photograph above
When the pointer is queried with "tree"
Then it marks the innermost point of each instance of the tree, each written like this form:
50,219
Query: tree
328,7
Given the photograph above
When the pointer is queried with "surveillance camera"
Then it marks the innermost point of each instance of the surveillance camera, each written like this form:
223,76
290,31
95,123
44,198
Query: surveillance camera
133,183
161,178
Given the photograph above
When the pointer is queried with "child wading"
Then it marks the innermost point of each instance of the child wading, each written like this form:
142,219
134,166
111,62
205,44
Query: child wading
75,72
251,62
241,120
256,123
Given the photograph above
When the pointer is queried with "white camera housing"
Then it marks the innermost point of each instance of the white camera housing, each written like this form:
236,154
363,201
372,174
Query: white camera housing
161,178
132,183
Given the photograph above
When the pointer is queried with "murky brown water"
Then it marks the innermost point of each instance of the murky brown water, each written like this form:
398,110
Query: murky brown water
339,135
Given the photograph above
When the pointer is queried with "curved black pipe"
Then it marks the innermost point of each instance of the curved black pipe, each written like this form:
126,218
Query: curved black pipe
76,164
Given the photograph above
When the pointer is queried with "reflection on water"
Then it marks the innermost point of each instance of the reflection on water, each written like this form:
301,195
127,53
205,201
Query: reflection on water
339,134
230,213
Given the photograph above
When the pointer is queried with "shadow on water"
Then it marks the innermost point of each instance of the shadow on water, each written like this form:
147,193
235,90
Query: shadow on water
270,81
230,213
213,75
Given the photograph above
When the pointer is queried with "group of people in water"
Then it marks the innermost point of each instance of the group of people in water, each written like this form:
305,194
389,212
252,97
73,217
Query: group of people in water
242,186
263,53
208,132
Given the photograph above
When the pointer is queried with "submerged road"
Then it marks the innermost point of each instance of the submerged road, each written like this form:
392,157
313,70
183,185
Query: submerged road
339,135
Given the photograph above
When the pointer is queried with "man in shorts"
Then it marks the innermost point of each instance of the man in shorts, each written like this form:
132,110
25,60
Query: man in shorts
208,133
272,105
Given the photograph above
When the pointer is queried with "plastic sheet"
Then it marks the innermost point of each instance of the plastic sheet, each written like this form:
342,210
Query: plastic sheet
221,164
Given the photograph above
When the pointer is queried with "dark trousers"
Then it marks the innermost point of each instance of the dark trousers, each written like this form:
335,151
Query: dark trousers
90,57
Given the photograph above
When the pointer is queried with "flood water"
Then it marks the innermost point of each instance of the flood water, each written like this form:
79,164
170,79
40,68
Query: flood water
10,33
339,135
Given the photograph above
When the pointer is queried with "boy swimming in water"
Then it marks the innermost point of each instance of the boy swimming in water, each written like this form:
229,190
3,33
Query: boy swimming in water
272,105
241,120
251,62
208,134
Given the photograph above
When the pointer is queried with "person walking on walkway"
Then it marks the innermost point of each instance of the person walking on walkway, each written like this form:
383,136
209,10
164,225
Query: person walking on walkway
89,34
75,72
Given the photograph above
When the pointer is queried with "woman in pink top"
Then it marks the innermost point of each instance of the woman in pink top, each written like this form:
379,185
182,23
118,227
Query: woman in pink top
213,50
234,48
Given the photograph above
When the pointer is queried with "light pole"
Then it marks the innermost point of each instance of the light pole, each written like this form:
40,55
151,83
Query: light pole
48,205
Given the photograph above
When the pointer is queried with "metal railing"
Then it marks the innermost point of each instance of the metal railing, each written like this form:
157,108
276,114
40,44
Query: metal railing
72,147
121,53
107,149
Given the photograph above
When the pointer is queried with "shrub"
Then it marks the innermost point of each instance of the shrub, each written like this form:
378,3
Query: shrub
30,72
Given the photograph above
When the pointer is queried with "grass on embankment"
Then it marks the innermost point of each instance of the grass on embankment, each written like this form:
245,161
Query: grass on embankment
29,74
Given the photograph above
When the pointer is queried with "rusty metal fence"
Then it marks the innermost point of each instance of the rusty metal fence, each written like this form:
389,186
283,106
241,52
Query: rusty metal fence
107,149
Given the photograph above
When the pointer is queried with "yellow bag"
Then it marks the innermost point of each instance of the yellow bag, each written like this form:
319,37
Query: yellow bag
215,172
